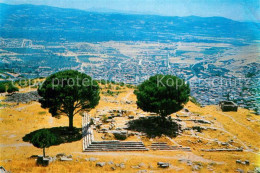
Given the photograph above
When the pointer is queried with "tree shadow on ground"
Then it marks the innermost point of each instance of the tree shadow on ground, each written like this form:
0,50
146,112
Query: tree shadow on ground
63,135
154,126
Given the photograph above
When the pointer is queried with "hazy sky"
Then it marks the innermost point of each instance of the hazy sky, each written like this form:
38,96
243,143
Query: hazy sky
242,10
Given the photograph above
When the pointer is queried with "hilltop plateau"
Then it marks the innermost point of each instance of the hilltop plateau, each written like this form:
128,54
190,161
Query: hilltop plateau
203,128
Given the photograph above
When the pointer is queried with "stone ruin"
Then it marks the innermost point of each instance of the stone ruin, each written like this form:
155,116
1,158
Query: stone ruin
90,145
23,97
227,106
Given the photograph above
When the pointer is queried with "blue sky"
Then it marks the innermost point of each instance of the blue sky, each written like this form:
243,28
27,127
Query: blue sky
241,10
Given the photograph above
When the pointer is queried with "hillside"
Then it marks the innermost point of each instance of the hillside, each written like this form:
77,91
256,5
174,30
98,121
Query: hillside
223,130
35,22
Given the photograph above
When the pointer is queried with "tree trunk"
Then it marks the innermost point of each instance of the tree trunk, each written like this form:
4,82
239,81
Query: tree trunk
163,115
71,122
43,152
163,120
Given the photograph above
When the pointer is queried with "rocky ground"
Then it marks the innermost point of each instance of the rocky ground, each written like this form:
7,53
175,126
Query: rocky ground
22,97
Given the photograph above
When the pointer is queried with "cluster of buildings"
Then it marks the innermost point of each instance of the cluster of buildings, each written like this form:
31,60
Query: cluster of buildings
132,63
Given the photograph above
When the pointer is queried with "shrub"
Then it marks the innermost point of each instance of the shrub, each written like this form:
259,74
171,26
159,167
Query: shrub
42,113
8,87
98,126
103,82
121,84
11,88
129,86
119,136
111,93
198,128
104,118
194,100
91,121
2,88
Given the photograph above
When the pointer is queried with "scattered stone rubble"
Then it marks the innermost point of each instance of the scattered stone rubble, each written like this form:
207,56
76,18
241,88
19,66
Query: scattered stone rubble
100,164
45,161
246,162
222,149
163,164
240,170
202,121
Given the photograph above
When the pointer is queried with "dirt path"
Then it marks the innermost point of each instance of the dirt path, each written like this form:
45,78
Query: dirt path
130,92
235,121
16,145
173,141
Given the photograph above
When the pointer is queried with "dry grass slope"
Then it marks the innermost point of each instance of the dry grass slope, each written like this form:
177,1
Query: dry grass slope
243,127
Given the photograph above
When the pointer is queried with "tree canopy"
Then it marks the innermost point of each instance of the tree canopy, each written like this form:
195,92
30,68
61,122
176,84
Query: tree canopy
8,87
43,139
69,92
162,94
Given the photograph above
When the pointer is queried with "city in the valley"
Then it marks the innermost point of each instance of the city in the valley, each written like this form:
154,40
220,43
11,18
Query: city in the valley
216,71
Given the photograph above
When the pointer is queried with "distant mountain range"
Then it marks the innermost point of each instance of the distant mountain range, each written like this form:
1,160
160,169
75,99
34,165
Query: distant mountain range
59,24
106,10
